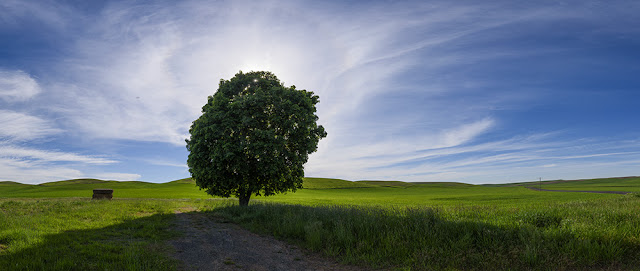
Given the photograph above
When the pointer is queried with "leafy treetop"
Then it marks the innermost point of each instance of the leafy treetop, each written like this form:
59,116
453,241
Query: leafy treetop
254,137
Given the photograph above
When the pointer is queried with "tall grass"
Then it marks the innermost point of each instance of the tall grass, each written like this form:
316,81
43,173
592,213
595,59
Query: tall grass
581,235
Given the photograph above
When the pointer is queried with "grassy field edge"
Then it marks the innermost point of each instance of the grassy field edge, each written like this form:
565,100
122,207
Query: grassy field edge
573,236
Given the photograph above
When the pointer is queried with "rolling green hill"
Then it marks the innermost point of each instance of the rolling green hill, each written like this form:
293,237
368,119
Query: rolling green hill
7,183
325,183
73,182
183,188
396,184
84,188
335,191
627,184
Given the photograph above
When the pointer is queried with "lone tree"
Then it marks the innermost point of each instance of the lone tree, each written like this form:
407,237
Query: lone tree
253,138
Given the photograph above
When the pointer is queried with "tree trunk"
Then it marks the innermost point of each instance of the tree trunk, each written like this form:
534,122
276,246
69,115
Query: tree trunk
244,199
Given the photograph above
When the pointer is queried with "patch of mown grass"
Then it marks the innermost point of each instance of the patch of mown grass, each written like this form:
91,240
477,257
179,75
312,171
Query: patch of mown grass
76,234
579,235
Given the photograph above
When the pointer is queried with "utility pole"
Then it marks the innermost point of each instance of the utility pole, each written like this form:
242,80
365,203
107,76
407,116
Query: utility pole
540,182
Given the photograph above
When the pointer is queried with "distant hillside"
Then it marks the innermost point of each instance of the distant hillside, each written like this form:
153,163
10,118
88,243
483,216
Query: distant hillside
398,184
185,180
8,183
326,183
443,184
83,188
613,182
74,181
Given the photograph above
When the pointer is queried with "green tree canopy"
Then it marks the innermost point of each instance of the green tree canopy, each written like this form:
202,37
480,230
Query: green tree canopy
254,137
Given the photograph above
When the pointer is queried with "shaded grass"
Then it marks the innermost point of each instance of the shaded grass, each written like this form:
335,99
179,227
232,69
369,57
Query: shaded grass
575,236
77,234
63,234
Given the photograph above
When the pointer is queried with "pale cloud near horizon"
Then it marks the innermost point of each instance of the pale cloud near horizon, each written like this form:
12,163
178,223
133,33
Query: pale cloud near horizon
36,172
33,166
27,173
50,156
118,176
515,159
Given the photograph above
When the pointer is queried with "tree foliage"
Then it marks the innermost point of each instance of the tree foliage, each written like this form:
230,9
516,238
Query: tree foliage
253,138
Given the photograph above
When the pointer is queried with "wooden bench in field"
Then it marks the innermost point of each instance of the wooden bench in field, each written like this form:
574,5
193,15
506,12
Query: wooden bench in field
102,193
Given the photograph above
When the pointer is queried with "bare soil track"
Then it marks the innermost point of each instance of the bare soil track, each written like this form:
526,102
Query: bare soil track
212,245
584,191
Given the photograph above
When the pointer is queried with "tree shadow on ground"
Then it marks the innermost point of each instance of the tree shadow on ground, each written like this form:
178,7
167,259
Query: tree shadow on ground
136,244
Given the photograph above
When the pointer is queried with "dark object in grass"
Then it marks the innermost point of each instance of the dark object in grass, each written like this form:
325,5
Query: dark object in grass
542,219
102,194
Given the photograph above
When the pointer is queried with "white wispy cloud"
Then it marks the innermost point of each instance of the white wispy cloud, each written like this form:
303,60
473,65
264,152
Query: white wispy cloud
16,86
142,74
466,133
28,165
375,159
21,127
157,162
28,173
516,159
50,156
39,171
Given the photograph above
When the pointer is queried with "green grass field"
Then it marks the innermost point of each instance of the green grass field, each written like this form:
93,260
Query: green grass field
317,191
430,195
407,226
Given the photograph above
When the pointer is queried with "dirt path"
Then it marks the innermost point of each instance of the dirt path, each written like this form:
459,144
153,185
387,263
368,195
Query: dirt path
210,245
585,191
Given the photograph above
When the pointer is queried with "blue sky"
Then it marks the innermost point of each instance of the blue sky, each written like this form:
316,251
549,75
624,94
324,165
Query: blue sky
469,91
